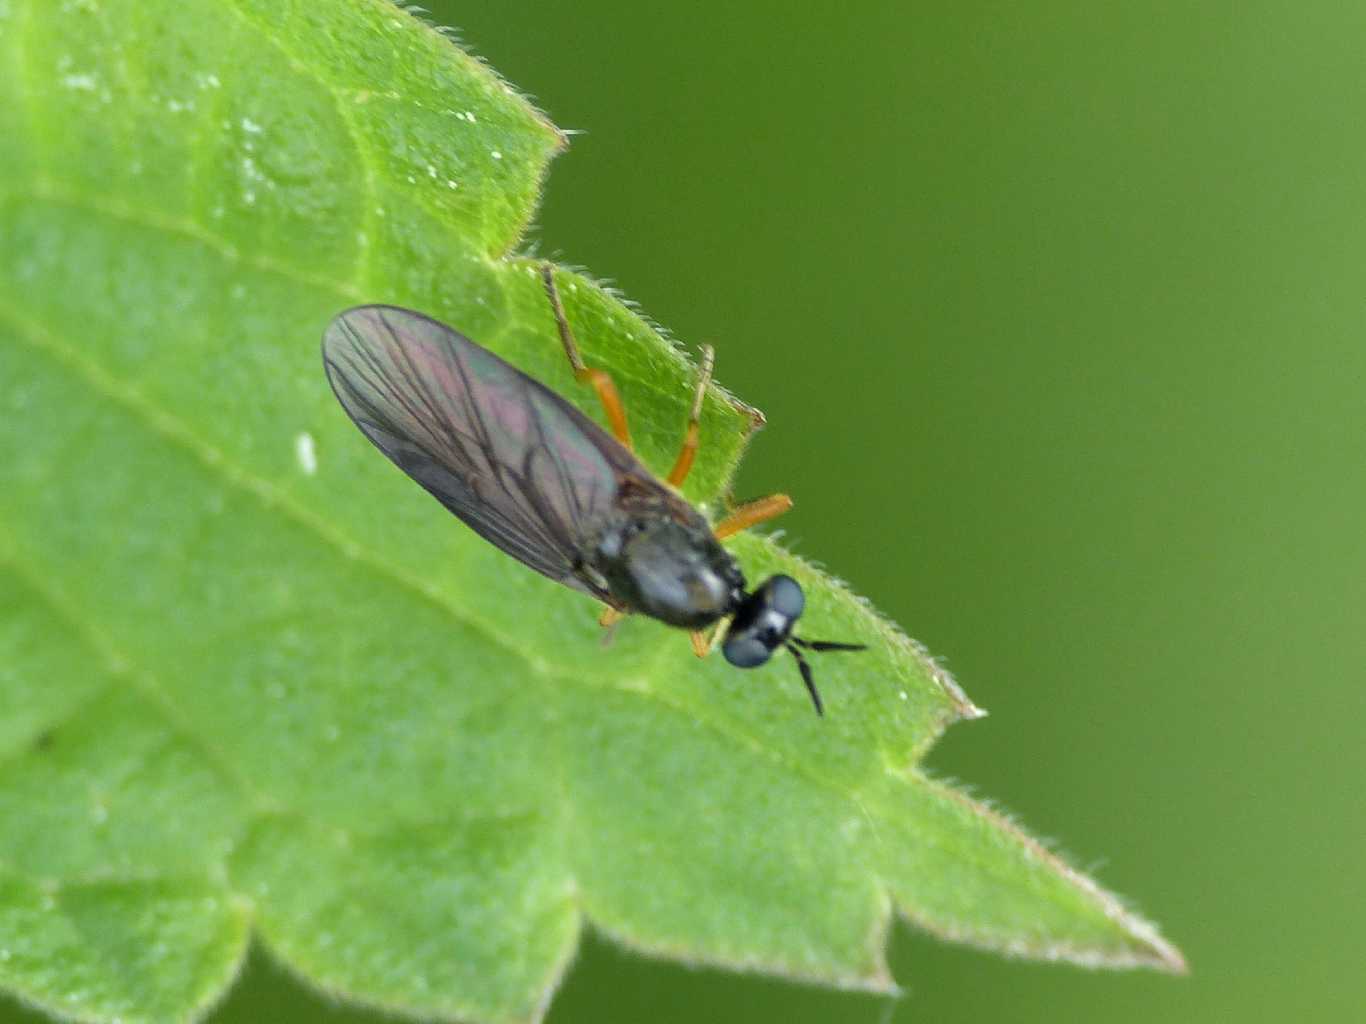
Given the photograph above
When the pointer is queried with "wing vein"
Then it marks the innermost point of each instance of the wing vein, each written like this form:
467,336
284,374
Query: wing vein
516,462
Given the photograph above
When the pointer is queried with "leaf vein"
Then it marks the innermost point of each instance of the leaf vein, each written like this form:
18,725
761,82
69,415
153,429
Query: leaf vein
173,430
51,191
119,666
362,146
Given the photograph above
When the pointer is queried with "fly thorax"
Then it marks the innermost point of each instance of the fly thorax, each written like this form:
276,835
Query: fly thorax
671,571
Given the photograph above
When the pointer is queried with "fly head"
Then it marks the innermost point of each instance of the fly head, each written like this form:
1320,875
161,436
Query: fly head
763,623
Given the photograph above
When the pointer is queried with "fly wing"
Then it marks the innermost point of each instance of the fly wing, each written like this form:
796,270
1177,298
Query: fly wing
517,463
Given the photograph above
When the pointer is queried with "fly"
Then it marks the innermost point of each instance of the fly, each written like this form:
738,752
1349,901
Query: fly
541,481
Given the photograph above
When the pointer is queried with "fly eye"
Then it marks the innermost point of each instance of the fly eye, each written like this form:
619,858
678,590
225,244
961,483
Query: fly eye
783,595
763,622
745,649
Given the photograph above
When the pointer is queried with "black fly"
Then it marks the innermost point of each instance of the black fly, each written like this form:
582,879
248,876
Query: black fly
532,475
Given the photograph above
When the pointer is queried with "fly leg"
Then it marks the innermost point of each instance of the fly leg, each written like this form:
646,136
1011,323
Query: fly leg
751,513
608,620
703,640
600,381
688,451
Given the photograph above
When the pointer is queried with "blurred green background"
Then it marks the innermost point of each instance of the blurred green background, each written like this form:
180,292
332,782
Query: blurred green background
1057,312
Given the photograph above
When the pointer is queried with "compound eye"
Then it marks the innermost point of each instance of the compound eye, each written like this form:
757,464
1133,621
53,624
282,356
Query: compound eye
762,622
784,595
745,649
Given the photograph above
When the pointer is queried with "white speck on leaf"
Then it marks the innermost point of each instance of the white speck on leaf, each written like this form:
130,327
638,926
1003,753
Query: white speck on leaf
250,127
307,453
84,82
451,184
495,154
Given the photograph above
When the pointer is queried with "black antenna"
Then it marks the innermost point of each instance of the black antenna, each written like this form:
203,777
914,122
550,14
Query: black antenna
796,645
828,645
807,679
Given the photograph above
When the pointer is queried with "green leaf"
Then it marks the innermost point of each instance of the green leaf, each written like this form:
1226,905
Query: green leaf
254,682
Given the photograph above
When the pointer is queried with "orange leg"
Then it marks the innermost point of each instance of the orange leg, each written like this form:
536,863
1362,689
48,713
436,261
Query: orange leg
609,620
704,639
752,513
688,452
598,379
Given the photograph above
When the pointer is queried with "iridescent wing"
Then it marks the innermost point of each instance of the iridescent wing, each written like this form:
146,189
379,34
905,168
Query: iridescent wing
518,464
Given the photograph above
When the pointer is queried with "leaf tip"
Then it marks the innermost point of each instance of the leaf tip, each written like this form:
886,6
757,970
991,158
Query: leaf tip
757,419
1173,961
967,710
1157,952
